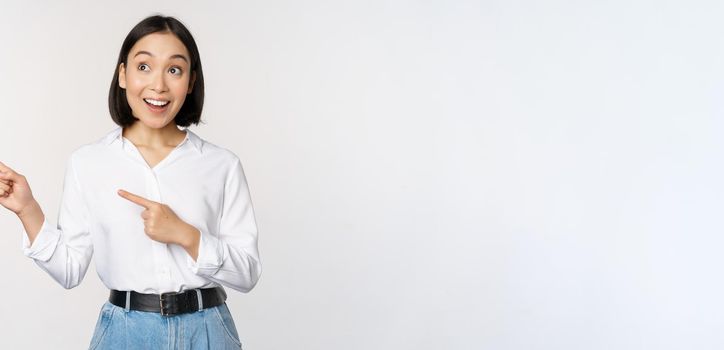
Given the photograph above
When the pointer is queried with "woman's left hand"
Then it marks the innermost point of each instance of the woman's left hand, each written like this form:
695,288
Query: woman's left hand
161,223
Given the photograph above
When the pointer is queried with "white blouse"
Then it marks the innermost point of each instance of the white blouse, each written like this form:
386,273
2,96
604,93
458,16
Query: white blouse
202,183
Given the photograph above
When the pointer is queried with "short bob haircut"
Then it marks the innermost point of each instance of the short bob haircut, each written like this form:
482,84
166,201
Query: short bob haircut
190,112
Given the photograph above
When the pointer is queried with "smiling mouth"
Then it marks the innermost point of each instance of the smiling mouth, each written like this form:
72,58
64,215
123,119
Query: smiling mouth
155,103
156,106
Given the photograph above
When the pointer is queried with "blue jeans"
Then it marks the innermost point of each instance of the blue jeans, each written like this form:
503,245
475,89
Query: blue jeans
211,328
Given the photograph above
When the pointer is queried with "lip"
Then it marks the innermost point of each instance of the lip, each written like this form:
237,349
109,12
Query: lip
156,109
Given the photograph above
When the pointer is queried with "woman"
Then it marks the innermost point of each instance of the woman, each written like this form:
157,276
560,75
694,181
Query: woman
167,213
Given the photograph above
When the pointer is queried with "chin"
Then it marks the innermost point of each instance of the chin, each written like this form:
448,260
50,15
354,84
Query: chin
154,122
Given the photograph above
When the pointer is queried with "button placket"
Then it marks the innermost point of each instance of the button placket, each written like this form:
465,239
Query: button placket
160,250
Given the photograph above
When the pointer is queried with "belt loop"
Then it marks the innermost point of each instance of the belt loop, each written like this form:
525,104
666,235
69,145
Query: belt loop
198,297
128,300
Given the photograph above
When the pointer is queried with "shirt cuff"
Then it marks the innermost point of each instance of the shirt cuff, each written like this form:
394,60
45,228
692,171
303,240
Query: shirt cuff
210,257
44,243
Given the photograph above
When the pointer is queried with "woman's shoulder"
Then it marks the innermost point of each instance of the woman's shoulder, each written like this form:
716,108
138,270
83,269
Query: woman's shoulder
212,150
216,156
92,146
105,139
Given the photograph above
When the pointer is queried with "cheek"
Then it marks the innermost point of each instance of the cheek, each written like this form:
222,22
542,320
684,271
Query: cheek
134,84
180,88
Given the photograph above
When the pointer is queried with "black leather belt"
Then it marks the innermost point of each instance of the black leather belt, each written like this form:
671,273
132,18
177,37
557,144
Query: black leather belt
169,304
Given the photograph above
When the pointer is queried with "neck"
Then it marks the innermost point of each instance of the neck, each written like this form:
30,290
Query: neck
144,136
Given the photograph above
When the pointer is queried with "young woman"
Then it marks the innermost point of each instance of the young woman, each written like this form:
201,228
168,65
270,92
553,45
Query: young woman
167,213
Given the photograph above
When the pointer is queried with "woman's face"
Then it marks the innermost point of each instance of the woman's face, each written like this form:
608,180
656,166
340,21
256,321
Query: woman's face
157,78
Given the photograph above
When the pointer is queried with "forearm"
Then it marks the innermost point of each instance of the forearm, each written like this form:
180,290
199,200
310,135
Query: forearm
239,271
64,250
32,218
234,265
190,242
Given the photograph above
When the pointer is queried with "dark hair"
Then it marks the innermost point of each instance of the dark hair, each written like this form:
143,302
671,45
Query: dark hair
190,112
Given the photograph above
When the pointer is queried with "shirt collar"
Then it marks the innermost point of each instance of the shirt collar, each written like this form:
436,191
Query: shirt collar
117,136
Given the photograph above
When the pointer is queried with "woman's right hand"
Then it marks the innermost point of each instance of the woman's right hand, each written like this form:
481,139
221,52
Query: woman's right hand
15,193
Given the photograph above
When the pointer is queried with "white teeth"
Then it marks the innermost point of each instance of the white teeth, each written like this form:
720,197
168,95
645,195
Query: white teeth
155,102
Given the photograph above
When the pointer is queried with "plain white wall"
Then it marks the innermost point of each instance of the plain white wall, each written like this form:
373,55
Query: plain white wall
426,174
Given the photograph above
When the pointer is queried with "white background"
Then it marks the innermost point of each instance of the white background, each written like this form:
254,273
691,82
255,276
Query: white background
425,174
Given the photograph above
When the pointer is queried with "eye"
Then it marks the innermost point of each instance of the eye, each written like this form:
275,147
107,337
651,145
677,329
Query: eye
143,65
175,70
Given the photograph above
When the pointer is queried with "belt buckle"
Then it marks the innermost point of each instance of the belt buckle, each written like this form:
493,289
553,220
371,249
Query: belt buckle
161,303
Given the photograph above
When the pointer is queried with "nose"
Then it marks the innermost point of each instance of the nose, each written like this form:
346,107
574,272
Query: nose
158,84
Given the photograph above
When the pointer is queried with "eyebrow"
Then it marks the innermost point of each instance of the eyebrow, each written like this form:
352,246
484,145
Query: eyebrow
172,56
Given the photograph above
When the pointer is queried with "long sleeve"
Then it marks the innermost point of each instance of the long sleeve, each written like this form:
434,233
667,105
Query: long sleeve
230,257
64,251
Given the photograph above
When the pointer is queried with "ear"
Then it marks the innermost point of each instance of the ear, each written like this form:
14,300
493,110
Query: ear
191,82
122,76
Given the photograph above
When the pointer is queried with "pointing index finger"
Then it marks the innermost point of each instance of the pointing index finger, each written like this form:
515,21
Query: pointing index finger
136,199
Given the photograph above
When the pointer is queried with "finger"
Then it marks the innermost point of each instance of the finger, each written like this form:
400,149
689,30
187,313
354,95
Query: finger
10,175
136,199
8,184
5,168
146,214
